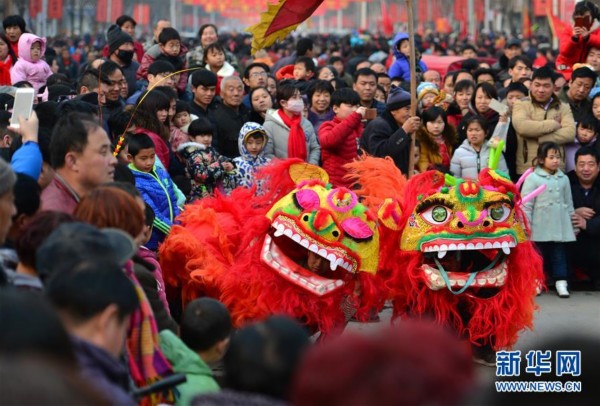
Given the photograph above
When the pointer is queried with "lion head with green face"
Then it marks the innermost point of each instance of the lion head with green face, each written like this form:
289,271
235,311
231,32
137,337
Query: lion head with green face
465,230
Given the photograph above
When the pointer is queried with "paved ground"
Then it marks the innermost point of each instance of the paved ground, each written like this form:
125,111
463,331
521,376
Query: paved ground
579,313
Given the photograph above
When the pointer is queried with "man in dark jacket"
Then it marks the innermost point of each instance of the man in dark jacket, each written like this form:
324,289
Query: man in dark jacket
230,115
389,135
585,189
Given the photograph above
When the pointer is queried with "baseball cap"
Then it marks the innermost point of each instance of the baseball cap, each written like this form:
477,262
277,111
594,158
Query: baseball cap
72,243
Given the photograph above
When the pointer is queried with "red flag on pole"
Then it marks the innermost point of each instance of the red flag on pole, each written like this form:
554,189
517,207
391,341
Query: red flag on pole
279,20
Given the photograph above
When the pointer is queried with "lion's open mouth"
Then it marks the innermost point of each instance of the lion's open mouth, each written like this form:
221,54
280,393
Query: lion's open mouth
285,252
478,265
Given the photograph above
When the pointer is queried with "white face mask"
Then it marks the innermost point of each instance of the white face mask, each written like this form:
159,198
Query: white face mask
295,105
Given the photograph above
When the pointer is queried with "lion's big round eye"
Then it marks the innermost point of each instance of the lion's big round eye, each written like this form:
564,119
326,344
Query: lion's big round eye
437,215
499,213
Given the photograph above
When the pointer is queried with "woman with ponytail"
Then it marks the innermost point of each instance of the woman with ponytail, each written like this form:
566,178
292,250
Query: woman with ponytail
577,40
290,134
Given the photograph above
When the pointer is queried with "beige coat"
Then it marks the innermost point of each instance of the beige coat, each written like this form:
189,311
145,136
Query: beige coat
534,126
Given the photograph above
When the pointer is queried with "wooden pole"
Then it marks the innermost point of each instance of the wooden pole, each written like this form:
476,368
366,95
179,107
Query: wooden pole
413,83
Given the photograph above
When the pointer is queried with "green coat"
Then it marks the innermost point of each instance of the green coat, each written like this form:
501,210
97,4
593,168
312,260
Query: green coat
185,361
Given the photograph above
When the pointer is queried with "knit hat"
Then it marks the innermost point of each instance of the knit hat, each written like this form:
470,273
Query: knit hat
116,37
397,99
425,88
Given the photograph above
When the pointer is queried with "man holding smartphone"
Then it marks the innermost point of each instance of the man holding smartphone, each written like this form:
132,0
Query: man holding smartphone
365,84
389,134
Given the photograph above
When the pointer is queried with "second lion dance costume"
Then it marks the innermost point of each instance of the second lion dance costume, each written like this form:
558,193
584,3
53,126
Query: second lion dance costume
456,251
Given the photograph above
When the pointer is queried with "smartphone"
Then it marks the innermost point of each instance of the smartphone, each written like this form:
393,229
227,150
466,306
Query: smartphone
583,21
22,106
370,114
500,108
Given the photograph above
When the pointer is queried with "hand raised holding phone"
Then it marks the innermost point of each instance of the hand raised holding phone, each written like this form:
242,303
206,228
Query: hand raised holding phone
27,128
23,106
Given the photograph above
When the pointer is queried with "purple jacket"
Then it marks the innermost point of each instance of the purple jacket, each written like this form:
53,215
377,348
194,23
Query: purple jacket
35,73
103,372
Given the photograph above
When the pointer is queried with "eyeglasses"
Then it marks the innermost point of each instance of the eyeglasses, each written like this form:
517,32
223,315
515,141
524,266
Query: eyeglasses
258,74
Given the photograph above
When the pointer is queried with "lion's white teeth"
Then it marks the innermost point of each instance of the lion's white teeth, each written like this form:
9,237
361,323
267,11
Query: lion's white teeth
506,250
442,254
278,232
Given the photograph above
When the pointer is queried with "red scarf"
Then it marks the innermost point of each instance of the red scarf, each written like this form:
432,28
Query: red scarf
297,138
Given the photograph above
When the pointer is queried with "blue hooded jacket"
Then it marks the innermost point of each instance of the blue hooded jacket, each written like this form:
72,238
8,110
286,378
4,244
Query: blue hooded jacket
401,66
158,192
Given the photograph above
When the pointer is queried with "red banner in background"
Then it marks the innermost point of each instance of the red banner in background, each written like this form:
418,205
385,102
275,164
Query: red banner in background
141,14
101,11
55,9
117,10
540,7
35,7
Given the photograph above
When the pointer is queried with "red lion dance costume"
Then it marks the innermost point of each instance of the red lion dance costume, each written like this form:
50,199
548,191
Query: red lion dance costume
249,251
456,250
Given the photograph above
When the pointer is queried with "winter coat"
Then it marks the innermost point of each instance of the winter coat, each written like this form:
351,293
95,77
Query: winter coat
154,291
158,192
401,66
574,50
550,212
467,163
534,125
204,166
587,198
103,372
278,132
185,361
59,196
384,137
152,54
228,123
339,145
430,156
150,258
246,165
5,67
35,73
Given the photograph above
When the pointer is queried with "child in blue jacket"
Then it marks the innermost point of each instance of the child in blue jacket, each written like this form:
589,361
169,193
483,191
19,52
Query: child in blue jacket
155,186
401,66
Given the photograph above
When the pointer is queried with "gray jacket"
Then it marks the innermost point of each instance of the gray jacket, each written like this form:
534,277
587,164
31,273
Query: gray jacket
467,163
278,132
550,212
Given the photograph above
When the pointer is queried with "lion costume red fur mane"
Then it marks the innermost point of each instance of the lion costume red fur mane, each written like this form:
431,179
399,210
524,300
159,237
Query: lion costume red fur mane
440,230
226,247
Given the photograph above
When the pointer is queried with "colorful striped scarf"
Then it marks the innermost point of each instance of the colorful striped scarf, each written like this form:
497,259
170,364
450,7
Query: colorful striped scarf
147,364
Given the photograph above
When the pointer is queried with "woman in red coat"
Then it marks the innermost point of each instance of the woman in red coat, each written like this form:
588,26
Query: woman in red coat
576,41
7,60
